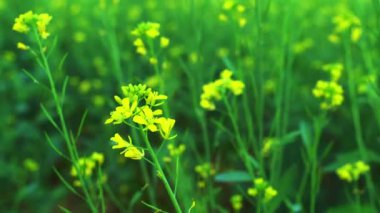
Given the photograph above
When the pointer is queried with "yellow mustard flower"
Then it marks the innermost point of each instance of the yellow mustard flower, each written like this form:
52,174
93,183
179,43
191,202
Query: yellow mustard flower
123,112
130,151
148,118
24,22
166,125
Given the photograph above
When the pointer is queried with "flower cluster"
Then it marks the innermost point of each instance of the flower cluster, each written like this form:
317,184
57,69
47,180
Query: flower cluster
236,202
174,151
28,21
352,171
87,166
346,23
139,107
330,92
204,170
214,91
262,189
146,35
235,11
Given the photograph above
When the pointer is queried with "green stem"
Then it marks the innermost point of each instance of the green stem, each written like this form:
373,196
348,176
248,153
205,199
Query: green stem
161,172
243,152
70,143
355,111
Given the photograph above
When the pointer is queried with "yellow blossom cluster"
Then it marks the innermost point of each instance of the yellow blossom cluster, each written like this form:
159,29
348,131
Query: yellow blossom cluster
87,165
335,70
236,202
214,91
139,106
146,35
174,151
204,170
30,21
346,23
263,189
330,92
232,10
352,171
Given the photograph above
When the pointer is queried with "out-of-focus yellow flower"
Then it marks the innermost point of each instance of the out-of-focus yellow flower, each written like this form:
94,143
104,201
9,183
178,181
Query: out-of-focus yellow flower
215,90
262,188
205,171
227,5
164,42
22,46
330,93
86,166
31,165
29,20
352,171
346,23
242,22
236,202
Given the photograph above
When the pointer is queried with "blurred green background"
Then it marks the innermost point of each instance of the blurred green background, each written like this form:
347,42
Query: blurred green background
284,52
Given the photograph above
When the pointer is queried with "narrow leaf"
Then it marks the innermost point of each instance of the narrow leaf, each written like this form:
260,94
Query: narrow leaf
233,177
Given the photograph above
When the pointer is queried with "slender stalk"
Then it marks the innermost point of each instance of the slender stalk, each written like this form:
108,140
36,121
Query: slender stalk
161,172
243,152
355,111
70,143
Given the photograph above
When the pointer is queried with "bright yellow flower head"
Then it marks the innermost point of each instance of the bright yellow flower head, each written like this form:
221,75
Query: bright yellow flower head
148,118
130,151
123,112
24,22
166,126
43,20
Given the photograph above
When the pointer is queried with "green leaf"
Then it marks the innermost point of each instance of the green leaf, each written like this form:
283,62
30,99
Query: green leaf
50,118
290,138
52,145
81,124
156,209
63,92
306,136
233,177
64,209
66,183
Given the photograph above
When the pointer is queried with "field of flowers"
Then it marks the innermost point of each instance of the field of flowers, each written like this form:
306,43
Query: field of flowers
190,106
